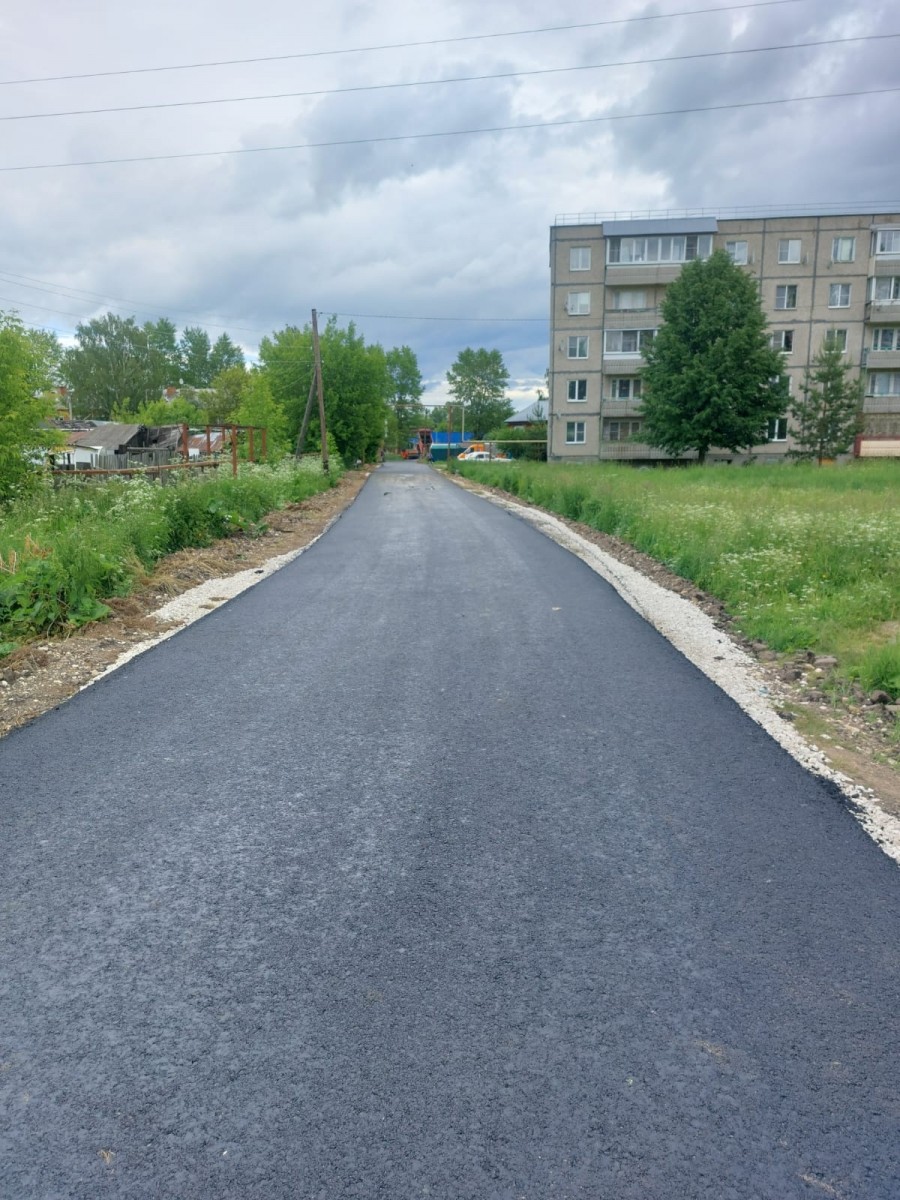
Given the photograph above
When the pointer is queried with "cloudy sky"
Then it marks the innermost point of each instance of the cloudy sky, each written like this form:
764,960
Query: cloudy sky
376,203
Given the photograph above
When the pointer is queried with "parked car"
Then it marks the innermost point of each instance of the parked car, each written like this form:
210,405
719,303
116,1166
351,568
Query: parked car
483,456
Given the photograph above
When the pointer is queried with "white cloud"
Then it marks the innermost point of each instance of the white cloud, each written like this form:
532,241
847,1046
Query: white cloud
447,227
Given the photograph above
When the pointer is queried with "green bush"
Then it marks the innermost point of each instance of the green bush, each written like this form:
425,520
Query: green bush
62,552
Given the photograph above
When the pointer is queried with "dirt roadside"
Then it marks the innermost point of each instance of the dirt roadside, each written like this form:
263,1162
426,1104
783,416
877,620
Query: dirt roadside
856,737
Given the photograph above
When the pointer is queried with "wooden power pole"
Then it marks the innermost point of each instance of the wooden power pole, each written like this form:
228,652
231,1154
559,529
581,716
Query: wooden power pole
318,361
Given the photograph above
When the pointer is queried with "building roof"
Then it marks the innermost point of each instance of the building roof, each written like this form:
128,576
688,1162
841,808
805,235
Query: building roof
664,225
197,441
108,436
537,411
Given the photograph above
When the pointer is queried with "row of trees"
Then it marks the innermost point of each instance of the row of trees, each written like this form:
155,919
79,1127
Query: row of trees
154,375
712,378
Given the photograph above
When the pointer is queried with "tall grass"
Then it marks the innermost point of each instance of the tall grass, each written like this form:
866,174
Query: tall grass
64,551
802,557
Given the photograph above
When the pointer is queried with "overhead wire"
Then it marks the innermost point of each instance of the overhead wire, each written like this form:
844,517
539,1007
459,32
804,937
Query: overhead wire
421,83
135,307
408,137
472,37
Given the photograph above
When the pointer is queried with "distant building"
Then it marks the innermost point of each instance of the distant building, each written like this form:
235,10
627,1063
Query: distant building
816,274
534,414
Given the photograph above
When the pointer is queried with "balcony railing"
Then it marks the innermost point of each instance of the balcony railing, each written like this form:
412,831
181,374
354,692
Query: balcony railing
883,311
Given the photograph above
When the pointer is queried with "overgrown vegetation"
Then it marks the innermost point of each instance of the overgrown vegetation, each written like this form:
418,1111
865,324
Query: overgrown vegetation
802,558
63,552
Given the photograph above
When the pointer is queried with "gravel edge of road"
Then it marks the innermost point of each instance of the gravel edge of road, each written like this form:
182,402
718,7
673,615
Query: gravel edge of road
199,601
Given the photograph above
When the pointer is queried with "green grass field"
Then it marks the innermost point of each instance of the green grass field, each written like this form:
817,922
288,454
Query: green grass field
803,557
65,550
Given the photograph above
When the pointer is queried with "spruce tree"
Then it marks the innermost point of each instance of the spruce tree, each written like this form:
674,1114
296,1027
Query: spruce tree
826,416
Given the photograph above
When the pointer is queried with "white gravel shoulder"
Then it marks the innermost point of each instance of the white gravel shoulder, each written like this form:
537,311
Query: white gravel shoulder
198,601
698,638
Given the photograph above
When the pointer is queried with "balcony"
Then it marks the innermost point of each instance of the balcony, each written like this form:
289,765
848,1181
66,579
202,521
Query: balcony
635,274
883,360
629,451
621,408
881,404
883,312
631,318
618,364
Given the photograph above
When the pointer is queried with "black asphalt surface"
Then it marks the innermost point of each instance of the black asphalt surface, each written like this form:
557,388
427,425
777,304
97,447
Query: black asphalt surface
427,869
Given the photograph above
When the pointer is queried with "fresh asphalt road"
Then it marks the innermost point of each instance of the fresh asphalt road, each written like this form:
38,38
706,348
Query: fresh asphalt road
428,869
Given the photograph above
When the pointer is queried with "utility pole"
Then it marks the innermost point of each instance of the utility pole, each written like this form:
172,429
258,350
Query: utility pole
318,361
301,436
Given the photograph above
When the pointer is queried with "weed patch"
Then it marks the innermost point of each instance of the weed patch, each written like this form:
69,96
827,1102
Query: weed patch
66,550
802,557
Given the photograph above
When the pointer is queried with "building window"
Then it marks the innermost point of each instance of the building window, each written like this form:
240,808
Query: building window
885,289
580,258
627,341
619,431
737,252
839,295
789,250
887,241
574,433
837,337
578,304
577,389
786,295
782,339
627,298
884,383
677,249
885,339
578,346
628,388
777,431
843,249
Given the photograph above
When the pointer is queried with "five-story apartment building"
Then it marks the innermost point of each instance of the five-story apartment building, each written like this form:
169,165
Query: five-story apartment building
817,276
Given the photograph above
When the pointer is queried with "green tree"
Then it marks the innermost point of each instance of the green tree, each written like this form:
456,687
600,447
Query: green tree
224,356
112,366
711,378
478,379
259,407
23,408
355,379
826,415
179,411
228,389
194,357
407,411
162,342
46,357
525,441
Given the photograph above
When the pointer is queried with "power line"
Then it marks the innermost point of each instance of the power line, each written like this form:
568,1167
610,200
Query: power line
125,304
419,317
409,137
474,37
416,83
79,295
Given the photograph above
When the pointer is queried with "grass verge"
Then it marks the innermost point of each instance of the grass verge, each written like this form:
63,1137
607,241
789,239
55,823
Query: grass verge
804,558
66,550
